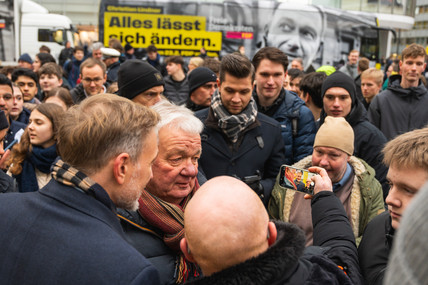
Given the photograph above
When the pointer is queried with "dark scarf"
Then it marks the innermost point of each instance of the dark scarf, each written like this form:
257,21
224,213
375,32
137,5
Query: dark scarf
70,176
233,125
192,106
169,218
40,158
269,110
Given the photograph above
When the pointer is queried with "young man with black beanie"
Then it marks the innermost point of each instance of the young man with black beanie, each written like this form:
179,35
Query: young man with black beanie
140,82
202,85
339,100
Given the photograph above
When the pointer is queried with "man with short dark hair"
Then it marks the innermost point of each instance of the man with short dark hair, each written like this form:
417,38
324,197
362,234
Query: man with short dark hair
176,82
297,123
92,77
72,66
155,59
50,76
26,80
72,233
402,107
295,76
237,139
310,87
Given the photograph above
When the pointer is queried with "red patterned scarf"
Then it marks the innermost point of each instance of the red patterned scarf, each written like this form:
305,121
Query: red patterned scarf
169,218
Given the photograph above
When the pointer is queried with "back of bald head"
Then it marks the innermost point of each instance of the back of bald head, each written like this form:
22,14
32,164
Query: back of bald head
225,224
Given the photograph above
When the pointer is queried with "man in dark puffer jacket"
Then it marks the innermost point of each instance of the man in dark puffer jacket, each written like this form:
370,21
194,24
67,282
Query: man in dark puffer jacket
233,241
296,120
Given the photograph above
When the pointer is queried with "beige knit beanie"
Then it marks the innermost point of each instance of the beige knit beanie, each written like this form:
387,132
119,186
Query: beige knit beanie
337,133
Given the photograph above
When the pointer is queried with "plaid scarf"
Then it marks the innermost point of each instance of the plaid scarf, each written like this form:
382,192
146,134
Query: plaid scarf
233,125
70,176
169,218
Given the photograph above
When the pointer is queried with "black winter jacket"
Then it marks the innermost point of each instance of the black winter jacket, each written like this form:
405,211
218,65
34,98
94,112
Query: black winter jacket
288,262
112,72
397,110
78,93
176,92
375,248
368,142
261,149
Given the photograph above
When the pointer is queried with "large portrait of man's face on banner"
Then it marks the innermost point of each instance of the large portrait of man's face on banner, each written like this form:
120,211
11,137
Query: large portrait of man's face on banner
297,31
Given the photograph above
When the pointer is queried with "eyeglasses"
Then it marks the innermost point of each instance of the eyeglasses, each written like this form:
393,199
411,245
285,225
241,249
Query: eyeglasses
90,80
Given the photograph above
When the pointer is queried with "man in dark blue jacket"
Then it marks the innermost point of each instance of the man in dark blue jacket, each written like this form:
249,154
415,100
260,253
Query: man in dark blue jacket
68,232
297,122
237,139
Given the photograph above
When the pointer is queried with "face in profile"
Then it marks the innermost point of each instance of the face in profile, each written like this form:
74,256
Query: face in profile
297,33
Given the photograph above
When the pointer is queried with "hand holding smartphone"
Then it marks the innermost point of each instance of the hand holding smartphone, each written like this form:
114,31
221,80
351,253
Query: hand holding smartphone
305,181
297,179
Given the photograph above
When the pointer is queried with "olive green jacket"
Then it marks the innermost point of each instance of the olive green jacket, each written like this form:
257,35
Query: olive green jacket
366,196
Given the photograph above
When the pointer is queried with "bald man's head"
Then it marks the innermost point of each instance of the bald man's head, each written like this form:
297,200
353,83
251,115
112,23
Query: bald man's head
225,224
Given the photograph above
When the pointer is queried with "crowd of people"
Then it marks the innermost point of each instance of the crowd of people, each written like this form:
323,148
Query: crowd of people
118,170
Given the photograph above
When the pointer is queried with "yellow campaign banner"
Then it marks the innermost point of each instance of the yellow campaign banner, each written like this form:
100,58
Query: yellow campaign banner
164,31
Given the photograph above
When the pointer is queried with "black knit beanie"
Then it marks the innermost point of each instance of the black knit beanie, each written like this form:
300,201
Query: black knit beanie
136,76
339,79
199,76
3,121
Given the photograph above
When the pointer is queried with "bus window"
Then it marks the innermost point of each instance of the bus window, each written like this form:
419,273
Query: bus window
47,35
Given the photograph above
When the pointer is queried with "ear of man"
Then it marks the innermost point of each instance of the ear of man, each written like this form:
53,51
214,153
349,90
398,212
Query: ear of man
121,167
272,233
186,251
